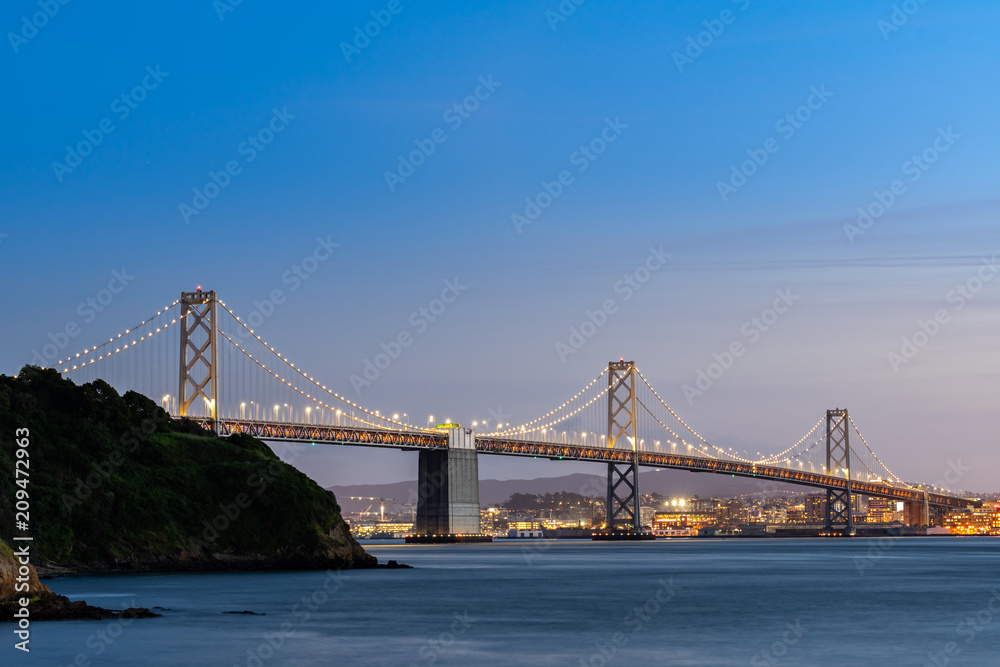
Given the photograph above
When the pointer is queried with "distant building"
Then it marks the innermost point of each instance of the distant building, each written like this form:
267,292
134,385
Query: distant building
883,510
648,515
815,508
796,513
522,533
776,515
732,513
382,530
676,524
975,521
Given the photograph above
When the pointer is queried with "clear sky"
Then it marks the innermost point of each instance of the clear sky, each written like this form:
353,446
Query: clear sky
739,137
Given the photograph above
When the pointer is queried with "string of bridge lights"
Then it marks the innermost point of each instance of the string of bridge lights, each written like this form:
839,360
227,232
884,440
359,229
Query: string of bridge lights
805,451
732,456
683,441
684,424
697,435
681,421
862,462
313,381
726,454
552,423
117,350
308,396
114,338
773,459
776,457
802,453
548,414
858,431
857,457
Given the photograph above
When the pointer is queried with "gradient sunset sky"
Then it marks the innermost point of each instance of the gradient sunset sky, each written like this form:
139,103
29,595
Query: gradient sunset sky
667,98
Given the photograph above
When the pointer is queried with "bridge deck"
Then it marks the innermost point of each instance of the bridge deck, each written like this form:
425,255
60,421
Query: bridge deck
488,445
374,437
329,435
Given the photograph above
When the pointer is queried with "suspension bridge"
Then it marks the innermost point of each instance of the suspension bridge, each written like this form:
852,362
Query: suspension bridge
202,362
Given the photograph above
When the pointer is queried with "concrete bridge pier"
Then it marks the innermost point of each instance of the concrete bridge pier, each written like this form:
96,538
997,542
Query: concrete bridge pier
916,512
448,493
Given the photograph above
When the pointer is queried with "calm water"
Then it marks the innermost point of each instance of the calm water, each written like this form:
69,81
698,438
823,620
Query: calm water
739,602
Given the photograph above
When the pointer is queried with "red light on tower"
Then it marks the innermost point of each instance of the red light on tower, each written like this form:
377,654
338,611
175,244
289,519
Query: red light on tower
199,288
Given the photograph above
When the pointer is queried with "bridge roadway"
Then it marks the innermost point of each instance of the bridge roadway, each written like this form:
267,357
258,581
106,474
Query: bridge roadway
487,444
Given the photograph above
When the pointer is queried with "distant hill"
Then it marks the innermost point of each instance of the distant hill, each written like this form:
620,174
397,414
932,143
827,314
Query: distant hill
493,492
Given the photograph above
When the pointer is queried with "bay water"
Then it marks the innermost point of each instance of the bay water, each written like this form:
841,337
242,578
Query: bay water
802,602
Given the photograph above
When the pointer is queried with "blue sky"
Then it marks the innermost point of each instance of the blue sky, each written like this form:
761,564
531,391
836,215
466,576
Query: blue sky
888,95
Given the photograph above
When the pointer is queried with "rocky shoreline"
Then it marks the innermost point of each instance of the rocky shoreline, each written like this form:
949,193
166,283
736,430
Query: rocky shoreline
221,563
52,607
348,555
45,605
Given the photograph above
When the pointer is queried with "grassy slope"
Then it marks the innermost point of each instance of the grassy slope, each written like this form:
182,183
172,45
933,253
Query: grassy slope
159,483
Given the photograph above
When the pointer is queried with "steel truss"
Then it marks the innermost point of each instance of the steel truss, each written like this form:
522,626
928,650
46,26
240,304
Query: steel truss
623,514
199,344
839,511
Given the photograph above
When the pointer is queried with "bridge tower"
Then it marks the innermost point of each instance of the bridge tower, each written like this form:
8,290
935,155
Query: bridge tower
839,514
448,492
199,352
623,516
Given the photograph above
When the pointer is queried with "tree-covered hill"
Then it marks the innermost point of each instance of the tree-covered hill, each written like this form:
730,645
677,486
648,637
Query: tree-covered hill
114,483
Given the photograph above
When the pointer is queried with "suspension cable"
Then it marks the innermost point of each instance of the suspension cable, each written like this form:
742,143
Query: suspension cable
313,381
296,389
114,338
524,427
895,477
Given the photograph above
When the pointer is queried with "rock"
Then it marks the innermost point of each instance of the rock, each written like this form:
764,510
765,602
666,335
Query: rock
393,565
9,567
44,604
52,607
